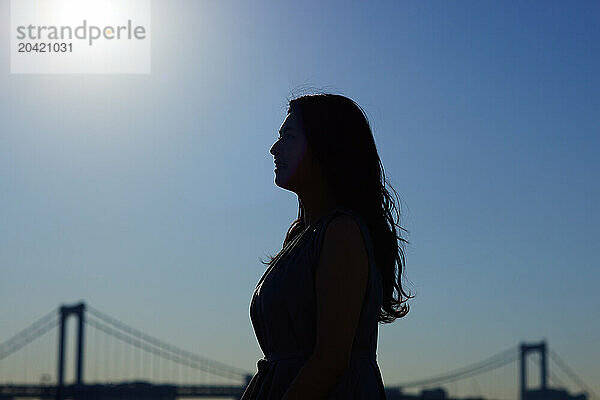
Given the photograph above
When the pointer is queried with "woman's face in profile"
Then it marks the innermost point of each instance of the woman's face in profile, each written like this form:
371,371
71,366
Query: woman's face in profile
290,154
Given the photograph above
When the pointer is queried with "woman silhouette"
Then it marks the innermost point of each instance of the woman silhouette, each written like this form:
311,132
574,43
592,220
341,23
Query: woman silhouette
316,309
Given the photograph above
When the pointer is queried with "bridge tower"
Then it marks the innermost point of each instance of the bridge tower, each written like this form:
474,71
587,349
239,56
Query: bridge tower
527,348
65,313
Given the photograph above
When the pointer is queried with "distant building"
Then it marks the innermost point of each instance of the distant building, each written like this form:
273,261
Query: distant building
440,394
553,394
434,394
426,394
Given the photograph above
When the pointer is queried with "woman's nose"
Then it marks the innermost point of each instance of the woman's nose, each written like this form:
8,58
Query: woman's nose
273,149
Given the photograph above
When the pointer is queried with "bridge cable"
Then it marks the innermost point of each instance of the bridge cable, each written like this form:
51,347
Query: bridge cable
28,334
488,364
165,346
563,365
154,350
554,379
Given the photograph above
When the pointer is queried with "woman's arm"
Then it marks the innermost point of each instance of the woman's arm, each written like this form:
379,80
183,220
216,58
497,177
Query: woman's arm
340,284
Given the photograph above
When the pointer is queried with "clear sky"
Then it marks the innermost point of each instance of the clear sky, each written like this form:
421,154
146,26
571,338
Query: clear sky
152,197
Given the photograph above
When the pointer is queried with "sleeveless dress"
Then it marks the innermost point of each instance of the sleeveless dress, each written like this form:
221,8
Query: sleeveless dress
283,313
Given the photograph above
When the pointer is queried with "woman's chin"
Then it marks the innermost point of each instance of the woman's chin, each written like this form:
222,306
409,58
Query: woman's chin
281,180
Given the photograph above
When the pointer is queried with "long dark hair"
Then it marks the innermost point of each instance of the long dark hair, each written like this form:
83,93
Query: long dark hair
340,138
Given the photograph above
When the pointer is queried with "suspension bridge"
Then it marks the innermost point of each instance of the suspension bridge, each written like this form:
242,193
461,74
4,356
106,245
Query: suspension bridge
170,372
